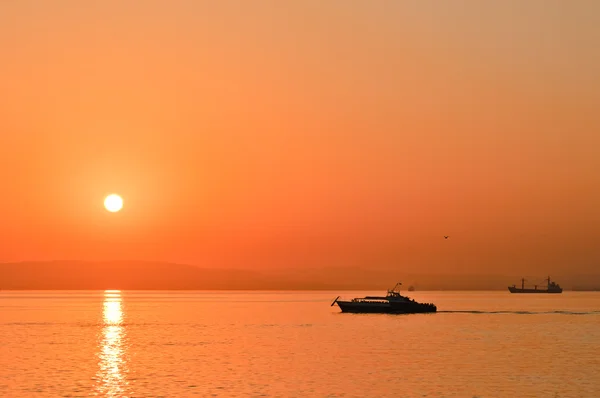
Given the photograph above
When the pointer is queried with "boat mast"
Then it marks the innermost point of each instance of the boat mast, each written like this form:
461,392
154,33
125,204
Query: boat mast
522,283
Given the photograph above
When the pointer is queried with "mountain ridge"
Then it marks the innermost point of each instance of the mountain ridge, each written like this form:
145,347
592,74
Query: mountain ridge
154,275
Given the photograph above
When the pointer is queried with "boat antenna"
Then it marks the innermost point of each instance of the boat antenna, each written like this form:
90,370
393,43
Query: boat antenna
335,301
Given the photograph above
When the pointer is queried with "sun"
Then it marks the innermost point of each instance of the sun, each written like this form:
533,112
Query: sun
113,203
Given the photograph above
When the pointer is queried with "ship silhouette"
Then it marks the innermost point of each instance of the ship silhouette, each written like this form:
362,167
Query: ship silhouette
552,287
392,303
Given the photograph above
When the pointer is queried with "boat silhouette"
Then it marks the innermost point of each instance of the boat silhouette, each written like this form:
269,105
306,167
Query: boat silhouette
392,303
552,287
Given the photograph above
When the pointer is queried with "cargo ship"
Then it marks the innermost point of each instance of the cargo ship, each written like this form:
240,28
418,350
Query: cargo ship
552,287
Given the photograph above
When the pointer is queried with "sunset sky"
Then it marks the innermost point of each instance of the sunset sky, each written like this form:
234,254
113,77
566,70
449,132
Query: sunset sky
303,134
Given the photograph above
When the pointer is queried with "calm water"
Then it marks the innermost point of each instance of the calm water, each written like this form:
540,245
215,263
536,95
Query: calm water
293,344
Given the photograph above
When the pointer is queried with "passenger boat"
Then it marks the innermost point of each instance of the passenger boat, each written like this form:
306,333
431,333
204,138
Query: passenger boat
392,303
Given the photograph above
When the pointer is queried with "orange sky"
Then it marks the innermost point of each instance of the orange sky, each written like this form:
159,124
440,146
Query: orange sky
303,133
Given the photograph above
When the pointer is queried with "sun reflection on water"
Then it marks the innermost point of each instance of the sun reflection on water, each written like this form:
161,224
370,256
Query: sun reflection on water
112,364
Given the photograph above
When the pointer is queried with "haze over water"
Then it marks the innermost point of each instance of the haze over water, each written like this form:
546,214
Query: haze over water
293,344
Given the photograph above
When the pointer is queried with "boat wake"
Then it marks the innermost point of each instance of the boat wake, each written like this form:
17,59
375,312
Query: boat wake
523,312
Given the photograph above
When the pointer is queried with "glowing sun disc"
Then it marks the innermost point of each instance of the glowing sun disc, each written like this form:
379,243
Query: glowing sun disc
113,203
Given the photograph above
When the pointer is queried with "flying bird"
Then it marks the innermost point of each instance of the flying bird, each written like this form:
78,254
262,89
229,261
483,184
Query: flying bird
445,236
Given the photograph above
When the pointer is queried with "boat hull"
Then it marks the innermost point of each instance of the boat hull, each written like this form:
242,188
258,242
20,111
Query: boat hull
385,308
546,291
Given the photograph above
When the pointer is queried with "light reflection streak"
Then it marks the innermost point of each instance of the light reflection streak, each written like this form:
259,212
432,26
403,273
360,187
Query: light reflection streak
112,365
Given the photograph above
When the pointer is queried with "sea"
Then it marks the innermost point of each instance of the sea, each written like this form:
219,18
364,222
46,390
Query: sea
295,344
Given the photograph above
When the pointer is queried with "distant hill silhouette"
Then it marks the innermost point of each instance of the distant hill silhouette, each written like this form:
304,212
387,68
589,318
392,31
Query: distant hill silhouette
133,275
139,275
